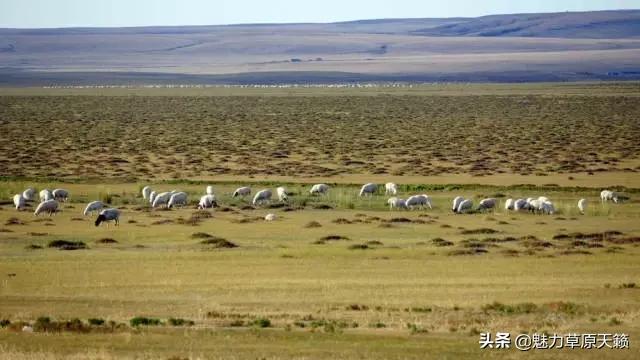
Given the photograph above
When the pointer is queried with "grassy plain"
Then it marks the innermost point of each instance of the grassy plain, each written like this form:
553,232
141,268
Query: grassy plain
402,285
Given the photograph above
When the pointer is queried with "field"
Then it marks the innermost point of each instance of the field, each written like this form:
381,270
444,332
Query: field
334,276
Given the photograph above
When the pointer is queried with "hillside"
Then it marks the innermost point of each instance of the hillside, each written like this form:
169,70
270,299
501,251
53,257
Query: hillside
512,48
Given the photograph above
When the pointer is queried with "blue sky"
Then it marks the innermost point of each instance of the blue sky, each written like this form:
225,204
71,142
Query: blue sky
66,13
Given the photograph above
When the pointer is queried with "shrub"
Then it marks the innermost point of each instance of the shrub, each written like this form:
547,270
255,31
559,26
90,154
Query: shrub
96,322
261,323
144,321
67,245
4,323
218,243
180,322
358,247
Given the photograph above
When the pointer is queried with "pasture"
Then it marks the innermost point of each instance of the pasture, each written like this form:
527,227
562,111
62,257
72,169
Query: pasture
334,276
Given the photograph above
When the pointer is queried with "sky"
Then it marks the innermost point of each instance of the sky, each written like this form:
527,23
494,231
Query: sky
117,13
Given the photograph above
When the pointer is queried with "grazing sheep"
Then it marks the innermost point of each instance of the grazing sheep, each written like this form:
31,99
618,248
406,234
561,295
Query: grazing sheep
209,190
50,207
146,191
262,196
93,206
60,194
582,205
270,217
456,203
547,208
419,201
178,198
152,196
19,201
368,189
544,199
29,194
520,204
487,204
45,195
607,195
395,203
207,202
107,215
282,194
161,199
390,188
319,189
242,192
465,206
508,205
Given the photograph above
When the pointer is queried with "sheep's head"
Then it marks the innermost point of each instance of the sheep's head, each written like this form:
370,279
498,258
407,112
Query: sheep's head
100,219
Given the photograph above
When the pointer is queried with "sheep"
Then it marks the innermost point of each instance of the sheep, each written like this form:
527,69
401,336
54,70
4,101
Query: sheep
242,192
45,195
152,196
368,189
161,199
547,208
28,194
420,201
390,188
508,205
207,201
456,203
607,195
535,205
209,190
282,194
93,206
396,203
178,198
465,205
60,194
107,215
582,205
520,204
270,217
543,199
319,189
146,191
487,204
49,206
262,196
19,201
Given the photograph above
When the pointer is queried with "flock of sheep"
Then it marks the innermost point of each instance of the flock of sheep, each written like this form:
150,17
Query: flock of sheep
49,201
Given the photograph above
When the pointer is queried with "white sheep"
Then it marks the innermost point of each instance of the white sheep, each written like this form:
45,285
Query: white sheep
50,207
60,194
107,215
152,196
93,206
282,194
242,192
261,197
161,199
456,202
270,217
465,205
544,199
319,189
548,208
28,194
207,202
19,201
419,201
396,203
209,190
146,191
368,189
508,205
178,198
390,189
582,205
607,195
487,204
45,195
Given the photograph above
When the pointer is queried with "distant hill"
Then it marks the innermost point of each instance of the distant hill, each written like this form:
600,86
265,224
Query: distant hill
518,47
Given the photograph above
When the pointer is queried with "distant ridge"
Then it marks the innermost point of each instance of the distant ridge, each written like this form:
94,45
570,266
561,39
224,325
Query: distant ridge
600,45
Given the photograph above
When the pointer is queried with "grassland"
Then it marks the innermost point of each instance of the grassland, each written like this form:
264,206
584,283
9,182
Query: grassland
335,276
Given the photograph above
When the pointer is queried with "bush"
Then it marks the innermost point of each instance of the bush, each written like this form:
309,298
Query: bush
67,245
144,321
261,323
180,322
218,243
4,323
96,322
